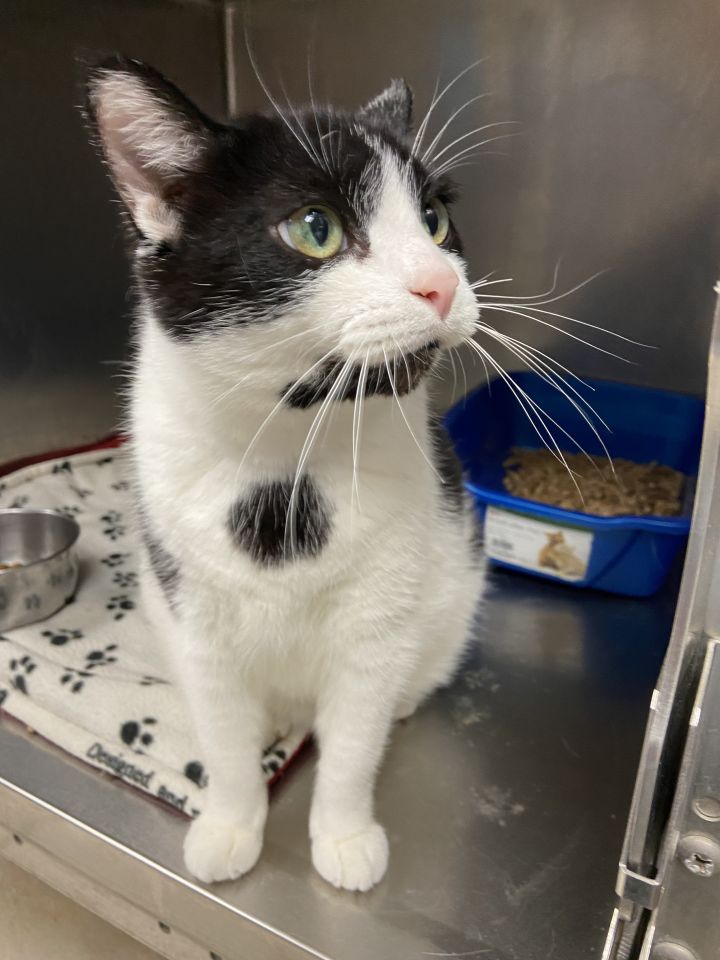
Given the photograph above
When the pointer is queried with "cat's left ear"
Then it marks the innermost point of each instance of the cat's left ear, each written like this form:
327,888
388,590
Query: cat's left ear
392,108
153,139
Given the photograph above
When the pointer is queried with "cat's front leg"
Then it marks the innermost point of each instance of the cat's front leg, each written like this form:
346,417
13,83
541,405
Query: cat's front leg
349,849
225,840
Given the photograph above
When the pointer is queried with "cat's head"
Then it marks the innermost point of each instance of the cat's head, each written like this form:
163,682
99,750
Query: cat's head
307,249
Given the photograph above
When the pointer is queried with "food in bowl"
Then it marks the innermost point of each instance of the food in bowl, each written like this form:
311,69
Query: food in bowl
594,485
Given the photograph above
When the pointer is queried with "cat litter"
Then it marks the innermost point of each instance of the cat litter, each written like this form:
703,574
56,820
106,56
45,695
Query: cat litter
91,678
594,485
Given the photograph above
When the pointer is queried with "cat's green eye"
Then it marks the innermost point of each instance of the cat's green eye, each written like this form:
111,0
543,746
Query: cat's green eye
436,220
315,231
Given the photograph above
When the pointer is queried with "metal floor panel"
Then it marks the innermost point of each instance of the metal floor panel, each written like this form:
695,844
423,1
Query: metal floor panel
505,801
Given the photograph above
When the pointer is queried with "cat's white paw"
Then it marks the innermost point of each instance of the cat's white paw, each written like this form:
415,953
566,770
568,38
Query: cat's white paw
220,849
353,863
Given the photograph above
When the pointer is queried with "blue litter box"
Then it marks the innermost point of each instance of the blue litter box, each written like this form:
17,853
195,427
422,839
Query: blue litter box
629,555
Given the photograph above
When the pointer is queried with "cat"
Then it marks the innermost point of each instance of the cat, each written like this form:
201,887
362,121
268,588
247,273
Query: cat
559,555
311,554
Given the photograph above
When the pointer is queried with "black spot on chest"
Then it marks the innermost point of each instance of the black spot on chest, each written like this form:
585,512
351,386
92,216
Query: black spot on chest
263,525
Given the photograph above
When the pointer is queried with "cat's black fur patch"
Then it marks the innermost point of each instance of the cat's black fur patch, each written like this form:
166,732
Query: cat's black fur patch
448,466
260,526
404,375
228,266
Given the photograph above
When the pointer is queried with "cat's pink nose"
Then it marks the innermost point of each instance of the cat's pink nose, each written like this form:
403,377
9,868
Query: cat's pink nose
438,287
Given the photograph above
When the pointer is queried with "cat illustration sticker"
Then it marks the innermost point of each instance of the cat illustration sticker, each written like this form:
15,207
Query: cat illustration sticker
562,552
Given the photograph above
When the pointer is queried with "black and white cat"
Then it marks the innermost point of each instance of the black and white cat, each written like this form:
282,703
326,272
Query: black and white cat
311,555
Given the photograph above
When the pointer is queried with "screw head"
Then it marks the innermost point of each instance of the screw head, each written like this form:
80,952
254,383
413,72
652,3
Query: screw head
699,854
671,950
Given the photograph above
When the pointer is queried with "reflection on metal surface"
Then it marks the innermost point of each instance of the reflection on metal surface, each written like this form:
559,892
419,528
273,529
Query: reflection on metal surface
503,798
676,710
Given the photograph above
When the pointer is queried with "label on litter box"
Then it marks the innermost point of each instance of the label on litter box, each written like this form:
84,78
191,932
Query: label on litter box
559,551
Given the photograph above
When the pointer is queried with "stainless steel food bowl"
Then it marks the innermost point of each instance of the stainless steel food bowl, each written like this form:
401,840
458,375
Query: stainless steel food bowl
42,576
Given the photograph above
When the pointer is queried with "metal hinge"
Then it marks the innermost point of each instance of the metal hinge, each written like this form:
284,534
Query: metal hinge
640,890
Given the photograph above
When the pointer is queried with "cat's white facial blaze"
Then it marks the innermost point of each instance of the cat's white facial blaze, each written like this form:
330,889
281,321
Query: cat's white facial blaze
377,304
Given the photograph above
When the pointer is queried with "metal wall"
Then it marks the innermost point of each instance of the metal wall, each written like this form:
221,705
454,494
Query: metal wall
617,167
64,312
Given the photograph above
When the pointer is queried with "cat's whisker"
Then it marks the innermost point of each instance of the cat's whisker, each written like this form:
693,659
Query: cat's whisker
488,283
291,518
313,107
461,362
537,296
436,140
356,427
551,376
471,160
583,323
252,358
494,332
507,308
393,387
420,133
451,359
271,98
451,163
485,126
301,127
523,397
540,427
437,97
455,351
280,404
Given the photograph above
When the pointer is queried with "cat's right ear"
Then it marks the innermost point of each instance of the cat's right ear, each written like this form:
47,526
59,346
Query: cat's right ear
152,138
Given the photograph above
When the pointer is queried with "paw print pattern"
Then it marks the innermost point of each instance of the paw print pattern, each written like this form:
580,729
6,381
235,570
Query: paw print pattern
19,502
196,772
70,512
120,605
101,658
125,580
115,559
135,732
273,758
21,669
80,492
120,485
104,461
148,680
3,693
58,638
64,467
113,527
74,679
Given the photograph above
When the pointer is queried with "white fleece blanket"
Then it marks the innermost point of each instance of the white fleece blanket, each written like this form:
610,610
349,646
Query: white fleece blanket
91,678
